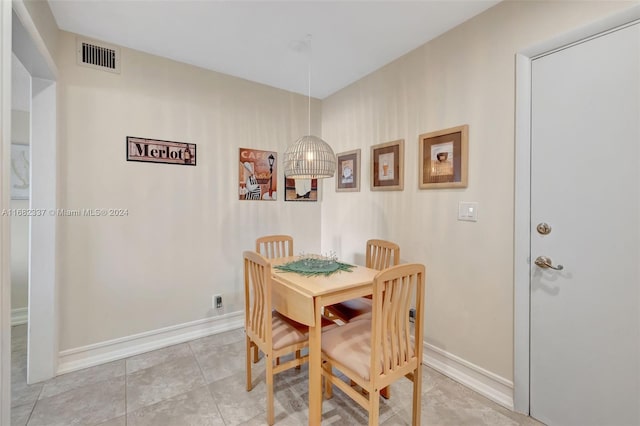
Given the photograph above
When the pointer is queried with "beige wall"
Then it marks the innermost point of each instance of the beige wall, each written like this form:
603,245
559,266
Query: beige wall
19,225
186,229
466,76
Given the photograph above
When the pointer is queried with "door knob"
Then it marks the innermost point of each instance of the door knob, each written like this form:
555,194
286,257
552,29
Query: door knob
544,262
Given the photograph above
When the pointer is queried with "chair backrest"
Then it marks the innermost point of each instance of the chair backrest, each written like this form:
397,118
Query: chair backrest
393,290
275,246
257,297
382,254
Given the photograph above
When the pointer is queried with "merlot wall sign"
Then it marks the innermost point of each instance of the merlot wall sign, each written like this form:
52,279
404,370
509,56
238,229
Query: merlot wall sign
156,151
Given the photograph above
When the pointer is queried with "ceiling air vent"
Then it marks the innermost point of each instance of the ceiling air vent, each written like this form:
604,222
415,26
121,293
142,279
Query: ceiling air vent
98,55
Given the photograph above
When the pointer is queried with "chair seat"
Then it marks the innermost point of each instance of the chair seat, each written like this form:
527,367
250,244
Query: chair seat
287,332
350,344
352,309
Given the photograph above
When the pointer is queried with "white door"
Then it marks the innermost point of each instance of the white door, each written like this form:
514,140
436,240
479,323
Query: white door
585,185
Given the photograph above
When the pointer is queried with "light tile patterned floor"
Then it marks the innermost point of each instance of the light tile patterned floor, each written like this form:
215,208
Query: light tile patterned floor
201,383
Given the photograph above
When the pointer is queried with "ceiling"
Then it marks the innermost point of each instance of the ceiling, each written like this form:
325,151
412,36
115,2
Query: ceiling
268,41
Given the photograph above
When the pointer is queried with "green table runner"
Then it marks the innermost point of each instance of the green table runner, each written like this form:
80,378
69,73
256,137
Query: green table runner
312,267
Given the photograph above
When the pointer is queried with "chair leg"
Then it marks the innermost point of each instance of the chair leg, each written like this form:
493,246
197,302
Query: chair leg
298,357
417,393
374,408
249,344
269,373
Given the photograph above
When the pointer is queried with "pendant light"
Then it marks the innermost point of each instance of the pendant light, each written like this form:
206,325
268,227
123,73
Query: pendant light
309,157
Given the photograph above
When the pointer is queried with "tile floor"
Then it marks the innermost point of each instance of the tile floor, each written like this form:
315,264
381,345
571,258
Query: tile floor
201,383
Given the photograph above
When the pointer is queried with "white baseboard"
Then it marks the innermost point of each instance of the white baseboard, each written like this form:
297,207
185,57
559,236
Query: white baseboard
486,383
111,350
19,316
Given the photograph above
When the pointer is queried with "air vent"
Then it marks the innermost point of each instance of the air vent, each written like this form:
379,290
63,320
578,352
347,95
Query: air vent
98,55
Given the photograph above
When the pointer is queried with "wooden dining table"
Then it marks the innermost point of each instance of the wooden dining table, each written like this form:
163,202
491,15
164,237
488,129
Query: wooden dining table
301,298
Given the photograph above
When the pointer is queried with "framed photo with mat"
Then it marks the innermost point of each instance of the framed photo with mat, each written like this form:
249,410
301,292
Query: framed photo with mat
444,158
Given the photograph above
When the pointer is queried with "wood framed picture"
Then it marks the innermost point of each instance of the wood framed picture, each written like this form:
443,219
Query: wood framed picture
257,177
348,176
444,157
300,189
19,171
387,166
159,151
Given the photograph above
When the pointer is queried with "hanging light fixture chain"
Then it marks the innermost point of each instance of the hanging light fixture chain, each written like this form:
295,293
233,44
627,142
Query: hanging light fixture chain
309,79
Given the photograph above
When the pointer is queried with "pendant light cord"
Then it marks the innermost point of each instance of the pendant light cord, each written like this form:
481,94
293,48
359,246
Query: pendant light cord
309,79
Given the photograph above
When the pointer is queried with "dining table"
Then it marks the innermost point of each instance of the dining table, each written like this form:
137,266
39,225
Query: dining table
301,297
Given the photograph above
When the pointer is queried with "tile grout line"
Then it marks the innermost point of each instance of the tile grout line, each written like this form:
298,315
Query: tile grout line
34,406
213,398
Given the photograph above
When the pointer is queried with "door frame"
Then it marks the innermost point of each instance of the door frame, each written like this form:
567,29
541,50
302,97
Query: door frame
17,30
522,227
5,202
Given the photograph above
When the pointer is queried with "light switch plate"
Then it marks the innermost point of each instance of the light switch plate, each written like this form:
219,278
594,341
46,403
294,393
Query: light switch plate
468,211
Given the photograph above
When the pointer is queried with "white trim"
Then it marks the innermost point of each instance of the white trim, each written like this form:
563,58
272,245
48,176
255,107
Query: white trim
41,64
5,226
522,189
111,350
486,383
19,316
29,47
522,237
42,345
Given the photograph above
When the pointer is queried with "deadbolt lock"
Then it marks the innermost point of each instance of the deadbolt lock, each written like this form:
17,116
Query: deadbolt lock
543,228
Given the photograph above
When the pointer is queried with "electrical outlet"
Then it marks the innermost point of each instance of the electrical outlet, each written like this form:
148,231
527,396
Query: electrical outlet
216,301
412,315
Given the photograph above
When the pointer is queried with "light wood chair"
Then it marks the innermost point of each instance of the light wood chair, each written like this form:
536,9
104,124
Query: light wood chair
380,255
274,334
275,246
397,353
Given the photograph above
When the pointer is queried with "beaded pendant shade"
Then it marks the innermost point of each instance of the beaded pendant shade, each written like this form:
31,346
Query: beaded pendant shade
309,157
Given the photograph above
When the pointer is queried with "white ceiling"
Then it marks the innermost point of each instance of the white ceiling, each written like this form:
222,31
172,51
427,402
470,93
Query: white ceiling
264,41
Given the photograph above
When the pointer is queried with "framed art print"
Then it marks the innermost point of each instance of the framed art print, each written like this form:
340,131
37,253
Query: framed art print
301,189
444,158
257,177
19,172
387,166
348,176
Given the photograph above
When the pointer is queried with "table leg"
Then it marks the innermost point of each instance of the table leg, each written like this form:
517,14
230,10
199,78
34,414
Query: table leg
315,369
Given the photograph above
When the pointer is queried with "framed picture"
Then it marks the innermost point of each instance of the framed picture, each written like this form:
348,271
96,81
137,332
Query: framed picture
444,158
348,176
19,172
257,177
159,151
300,189
387,166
